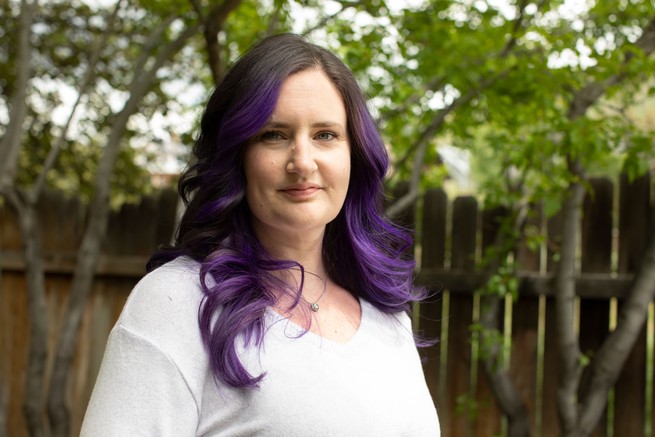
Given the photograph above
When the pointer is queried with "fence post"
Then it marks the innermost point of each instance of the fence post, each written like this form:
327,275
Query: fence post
634,225
433,255
460,419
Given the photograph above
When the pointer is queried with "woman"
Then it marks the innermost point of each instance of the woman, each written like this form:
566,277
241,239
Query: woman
282,308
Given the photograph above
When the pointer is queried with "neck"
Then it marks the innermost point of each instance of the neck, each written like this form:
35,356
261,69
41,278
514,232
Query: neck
304,248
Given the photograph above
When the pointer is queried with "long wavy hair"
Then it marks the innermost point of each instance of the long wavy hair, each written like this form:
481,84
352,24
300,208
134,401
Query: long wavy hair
363,252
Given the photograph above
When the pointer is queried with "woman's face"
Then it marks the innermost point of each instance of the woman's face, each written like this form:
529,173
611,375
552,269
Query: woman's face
298,166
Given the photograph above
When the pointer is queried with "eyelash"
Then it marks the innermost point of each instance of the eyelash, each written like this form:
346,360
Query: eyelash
331,134
275,136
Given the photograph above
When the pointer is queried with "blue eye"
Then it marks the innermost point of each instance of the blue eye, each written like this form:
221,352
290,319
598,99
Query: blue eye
271,136
325,136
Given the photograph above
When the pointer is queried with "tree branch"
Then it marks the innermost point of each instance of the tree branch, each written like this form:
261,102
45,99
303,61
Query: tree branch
611,357
11,141
151,44
36,300
87,81
326,19
420,147
274,17
433,85
588,95
213,24
423,141
570,367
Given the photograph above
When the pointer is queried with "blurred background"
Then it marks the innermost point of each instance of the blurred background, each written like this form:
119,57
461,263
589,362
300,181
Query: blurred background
522,139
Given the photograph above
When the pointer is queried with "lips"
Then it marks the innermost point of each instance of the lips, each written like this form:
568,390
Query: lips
300,191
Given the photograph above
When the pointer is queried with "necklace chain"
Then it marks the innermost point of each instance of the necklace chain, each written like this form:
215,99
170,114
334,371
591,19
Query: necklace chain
314,305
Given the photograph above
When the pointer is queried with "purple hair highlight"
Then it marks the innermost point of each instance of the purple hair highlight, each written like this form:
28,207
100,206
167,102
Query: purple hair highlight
363,251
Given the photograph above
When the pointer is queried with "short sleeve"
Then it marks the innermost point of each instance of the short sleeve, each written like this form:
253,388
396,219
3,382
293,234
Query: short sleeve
139,392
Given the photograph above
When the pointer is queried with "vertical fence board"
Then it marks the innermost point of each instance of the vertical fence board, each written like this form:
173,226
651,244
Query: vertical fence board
433,233
634,215
594,327
523,361
597,227
634,221
9,231
596,257
630,392
464,233
550,416
464,236
407,217
525,325
489,414
433,249
12,285
455,418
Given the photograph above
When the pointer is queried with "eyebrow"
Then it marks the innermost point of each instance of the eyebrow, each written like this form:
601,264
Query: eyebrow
319,124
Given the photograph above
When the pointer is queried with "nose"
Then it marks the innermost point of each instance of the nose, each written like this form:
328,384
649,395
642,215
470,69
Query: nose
302,160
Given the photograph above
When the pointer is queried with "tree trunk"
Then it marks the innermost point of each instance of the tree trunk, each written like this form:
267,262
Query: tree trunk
89,252
213,24
501,384
27,219
11,140
611,357
38,323
579,417
570,369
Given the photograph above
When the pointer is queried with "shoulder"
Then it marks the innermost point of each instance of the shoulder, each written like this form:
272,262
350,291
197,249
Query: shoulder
396,327
154,356
181,272
163,306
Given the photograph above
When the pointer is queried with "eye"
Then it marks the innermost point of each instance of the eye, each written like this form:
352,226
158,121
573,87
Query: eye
325,136
271,136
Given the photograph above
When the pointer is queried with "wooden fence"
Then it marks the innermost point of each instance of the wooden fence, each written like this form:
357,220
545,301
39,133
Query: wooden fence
614,234
450,241
134,232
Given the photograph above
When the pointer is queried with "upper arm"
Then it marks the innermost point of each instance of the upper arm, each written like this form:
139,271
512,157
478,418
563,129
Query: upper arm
139,392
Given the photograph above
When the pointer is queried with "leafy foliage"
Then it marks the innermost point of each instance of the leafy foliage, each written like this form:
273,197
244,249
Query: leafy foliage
522,62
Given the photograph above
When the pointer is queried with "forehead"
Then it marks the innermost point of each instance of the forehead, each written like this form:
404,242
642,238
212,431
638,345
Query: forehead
310,90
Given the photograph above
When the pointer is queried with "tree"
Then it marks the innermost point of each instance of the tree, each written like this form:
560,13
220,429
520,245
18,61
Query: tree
500,78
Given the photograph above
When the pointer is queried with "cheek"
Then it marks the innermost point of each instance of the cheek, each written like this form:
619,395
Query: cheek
258,169
346,170
346,176
342,178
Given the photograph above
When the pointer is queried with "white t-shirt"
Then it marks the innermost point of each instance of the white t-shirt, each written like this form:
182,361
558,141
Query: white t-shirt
155,378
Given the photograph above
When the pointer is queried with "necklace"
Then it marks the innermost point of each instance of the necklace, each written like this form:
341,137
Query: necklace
314,305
